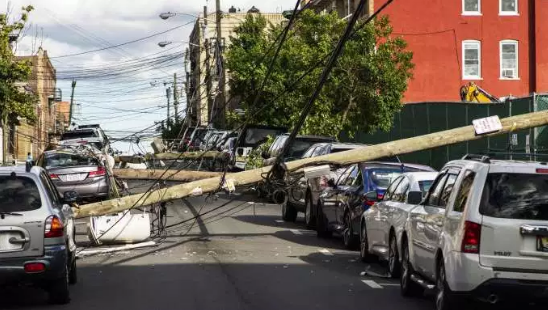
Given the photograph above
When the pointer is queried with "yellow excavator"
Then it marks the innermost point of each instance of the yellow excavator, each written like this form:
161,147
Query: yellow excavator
474,93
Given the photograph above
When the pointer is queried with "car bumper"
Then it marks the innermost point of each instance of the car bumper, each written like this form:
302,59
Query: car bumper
55,259
512,290
86,190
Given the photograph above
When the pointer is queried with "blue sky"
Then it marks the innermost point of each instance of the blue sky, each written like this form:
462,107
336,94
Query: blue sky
120,88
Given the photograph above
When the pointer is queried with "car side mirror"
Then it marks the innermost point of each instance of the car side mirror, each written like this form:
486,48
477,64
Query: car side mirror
70,196
265,155
331,183
414,197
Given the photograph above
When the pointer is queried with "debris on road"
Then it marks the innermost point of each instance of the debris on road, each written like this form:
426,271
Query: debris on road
90,252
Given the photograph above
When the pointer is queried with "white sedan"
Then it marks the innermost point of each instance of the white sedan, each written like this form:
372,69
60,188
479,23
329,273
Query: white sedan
382,224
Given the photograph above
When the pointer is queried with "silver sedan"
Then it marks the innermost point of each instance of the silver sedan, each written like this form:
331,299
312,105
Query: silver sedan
382,224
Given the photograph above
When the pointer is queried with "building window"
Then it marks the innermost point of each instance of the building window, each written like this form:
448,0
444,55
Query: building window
508,7
471,51
509,59
471,7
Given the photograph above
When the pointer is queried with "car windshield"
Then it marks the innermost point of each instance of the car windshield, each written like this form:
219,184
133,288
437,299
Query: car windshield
515,196
58,160
299,147
78,134
19,194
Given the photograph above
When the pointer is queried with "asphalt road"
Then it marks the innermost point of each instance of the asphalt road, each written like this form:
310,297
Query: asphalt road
239,256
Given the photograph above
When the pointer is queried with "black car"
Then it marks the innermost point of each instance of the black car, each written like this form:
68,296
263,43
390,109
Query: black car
304,193
343,202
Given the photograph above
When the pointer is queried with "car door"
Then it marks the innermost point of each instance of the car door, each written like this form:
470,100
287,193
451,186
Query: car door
330,196
378,211
419,248
350,200
390,210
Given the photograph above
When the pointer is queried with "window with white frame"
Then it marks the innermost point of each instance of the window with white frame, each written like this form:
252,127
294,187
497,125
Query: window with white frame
471,7
508,7
508,59
471,55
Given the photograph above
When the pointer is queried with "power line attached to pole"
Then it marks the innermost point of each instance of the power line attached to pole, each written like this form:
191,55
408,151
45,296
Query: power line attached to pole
71,108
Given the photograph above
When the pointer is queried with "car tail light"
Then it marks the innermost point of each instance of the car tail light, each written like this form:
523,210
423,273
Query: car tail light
471,238
53,176
367,202
54,227
380,196
99,172
35,267
542,170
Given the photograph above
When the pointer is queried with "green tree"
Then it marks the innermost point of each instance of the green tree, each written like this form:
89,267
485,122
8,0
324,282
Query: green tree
14,101
364,90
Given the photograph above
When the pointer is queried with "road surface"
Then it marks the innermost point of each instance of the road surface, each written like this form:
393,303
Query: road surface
239,256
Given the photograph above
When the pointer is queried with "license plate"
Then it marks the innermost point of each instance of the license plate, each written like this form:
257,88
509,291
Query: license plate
73,177
542,244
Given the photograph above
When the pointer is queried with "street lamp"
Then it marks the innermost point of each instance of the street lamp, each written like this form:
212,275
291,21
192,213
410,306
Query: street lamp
167,15
166,43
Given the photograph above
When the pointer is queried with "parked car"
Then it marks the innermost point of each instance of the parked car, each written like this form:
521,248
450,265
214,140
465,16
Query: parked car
36,233
297,149
74,170
342,203
196,138
304,193
481,232
252,137
87,134
382,224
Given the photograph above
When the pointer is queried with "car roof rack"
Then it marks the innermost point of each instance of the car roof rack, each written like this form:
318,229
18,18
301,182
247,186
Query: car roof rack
477,157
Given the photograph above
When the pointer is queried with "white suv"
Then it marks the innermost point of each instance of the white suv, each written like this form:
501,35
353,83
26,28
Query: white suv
481,232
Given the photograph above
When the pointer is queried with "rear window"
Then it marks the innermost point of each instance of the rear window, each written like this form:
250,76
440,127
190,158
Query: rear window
425,186
383,177
299,147
78,134
59,160
515,196
19,194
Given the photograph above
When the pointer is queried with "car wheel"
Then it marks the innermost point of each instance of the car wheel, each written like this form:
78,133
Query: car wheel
309,218
289,213
393,258
59,289
365,256
350,240
73,273
445,299
321,224
408,288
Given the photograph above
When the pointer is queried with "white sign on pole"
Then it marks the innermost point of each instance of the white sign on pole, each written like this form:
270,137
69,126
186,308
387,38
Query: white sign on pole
487,125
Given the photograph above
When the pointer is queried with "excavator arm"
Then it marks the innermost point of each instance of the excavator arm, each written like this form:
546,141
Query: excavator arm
474,93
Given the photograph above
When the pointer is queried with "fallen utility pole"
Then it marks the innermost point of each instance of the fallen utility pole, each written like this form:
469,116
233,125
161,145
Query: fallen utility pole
398,147
192,155
167,175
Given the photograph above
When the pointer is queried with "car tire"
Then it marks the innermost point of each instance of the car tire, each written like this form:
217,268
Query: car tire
322,231
350,240
289,213
58,289
445,299
73,273
394,266
408,287
365,256
309,218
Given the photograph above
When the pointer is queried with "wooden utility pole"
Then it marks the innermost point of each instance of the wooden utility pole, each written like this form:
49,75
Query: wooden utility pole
167,175
221,104
168,119
175,99
71,108
404,146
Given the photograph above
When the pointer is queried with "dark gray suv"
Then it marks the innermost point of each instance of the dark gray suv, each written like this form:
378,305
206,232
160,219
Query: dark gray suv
36,233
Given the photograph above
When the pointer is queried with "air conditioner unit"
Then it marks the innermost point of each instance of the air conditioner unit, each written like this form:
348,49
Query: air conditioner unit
508,73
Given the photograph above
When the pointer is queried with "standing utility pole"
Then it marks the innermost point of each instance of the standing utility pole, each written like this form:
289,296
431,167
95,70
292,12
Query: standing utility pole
220,65
71,108
168,95
175,99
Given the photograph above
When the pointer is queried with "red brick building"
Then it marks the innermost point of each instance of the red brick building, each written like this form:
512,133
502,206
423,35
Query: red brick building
501,45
